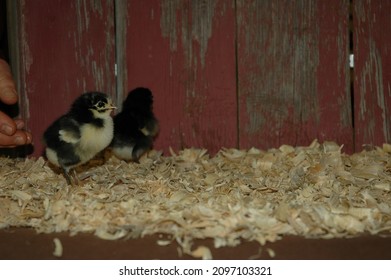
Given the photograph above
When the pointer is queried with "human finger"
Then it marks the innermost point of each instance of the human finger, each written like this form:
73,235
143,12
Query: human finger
19,138
7,125
8,93
19,123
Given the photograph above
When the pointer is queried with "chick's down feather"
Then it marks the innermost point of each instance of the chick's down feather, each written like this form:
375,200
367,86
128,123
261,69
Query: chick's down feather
77,136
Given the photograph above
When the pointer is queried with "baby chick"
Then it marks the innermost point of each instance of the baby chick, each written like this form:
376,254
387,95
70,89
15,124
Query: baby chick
135,126
77,136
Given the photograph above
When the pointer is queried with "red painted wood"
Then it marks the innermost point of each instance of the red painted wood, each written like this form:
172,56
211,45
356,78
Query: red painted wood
184,51
293,74
289,86
372,82
67,49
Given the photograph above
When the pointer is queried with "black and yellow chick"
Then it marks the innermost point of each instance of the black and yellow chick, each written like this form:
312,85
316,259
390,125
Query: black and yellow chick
135,127
80,134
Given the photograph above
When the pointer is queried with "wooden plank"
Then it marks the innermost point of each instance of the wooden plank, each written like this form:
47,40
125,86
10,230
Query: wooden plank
67,48
372,82
184,51
26,244
293,74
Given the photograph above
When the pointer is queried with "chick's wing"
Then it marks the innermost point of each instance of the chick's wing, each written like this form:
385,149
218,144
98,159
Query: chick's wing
60,139
69,131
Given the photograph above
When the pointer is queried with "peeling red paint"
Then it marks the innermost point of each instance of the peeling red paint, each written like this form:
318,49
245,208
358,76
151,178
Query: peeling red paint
292,80
224,73
188,61
68,48
372,50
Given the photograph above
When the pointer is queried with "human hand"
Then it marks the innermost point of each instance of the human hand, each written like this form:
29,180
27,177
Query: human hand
12,133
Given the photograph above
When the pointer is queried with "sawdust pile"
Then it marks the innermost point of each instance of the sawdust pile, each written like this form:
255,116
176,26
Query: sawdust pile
313,191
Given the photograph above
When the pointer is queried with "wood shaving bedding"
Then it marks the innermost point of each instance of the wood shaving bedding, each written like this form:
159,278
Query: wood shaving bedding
313,191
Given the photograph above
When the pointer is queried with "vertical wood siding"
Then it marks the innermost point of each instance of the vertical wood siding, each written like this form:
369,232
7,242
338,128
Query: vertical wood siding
372,82
185,52
67,49
292,72
224,73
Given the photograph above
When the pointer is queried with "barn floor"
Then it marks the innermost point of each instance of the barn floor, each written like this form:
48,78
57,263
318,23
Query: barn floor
293,202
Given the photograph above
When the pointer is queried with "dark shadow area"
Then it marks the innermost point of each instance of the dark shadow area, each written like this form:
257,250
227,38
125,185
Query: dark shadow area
17,152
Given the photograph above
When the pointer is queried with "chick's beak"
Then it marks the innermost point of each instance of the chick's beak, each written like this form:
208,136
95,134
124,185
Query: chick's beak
110,106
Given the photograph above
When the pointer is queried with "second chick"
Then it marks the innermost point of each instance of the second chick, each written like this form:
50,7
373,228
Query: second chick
135,126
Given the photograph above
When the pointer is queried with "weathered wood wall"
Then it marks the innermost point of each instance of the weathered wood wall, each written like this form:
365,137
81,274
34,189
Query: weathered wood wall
293,75
67,48
372,82
185,52
224,73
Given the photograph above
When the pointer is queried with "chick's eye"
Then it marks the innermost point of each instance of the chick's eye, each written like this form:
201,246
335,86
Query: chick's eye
101,104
